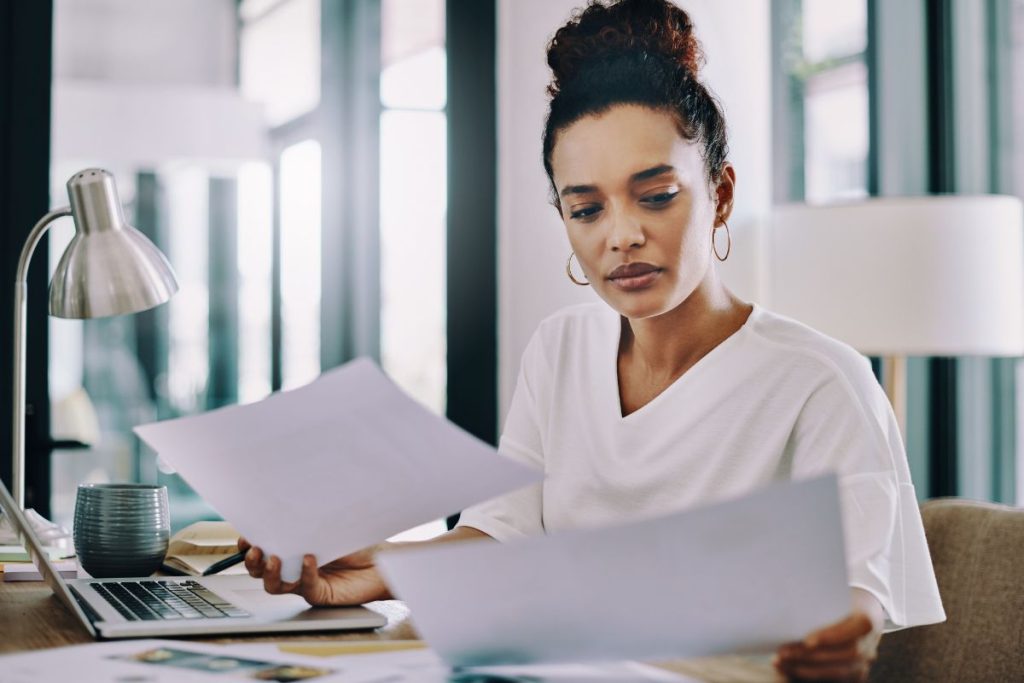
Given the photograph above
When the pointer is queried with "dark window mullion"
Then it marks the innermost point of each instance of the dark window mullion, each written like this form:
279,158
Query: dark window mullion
350,137
222,387
941,179
276,350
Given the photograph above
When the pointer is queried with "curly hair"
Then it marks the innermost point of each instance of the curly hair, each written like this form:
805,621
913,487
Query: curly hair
632,52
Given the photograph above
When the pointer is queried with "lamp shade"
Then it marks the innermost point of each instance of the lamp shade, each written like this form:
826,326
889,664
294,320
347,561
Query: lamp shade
927,276
110,268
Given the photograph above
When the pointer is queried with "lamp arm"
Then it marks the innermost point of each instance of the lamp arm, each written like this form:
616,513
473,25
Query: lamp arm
20,300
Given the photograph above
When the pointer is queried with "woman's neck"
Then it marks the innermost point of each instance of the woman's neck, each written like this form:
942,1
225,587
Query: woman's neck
667,345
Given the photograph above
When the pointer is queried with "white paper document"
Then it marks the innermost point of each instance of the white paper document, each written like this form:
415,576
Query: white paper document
424,666
168,661
332,467
742,576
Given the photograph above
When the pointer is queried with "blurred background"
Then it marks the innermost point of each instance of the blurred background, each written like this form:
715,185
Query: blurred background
336,178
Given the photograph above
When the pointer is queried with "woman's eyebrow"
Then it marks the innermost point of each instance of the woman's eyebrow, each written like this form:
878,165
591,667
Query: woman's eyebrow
577,189
645,174
652,172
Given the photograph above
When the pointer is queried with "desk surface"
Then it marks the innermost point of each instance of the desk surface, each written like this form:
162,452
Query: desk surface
31,618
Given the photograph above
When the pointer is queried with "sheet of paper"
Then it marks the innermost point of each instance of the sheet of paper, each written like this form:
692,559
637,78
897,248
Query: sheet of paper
171,661
742,576
424,666
332,467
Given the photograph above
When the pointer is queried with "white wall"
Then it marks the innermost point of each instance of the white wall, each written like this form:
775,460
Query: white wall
532,243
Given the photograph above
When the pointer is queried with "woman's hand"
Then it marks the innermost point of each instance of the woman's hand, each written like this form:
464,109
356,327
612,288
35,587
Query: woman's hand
842,651
350,580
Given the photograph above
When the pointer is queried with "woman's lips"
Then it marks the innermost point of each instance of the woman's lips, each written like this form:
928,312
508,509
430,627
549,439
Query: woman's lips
634,276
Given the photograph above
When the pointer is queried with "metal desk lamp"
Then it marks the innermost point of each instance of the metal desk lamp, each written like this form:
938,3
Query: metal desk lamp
110,268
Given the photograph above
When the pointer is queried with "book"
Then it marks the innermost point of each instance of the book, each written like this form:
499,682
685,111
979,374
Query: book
17,553
193,549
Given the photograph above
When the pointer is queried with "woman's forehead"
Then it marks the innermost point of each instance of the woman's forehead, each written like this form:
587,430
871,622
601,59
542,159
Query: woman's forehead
613,146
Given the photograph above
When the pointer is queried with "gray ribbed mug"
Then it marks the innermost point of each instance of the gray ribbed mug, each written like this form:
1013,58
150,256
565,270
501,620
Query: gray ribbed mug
121,529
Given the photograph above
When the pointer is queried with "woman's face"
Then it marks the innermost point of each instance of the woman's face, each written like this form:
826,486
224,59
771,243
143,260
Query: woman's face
638,207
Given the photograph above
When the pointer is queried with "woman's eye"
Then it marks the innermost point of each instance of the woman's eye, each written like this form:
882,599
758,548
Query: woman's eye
659,199
584,212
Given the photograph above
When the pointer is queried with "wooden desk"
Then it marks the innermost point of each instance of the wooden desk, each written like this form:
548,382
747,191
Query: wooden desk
31,618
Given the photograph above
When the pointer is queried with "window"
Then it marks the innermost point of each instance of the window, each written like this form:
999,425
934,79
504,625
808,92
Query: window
256,189
190,156
300,263
413,197
827,72
279,57
413,133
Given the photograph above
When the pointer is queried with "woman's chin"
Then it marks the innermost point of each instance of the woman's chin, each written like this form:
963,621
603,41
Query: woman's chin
637,305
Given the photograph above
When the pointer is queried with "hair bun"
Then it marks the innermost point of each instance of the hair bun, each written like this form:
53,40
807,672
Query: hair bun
603,31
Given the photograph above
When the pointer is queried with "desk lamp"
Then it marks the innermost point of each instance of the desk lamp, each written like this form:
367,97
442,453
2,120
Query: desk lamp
110,268
939,275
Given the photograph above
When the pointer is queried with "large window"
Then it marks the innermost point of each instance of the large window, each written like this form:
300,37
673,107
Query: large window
190,157
250,173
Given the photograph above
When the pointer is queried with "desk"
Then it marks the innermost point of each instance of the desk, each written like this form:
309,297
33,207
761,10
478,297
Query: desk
31,618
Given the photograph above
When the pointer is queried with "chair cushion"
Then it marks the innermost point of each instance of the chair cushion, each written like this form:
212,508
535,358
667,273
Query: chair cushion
978,553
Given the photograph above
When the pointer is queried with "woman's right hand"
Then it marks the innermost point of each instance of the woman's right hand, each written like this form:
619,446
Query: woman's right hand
350,580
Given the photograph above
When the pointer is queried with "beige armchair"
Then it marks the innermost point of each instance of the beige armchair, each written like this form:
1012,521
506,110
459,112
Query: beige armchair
978,552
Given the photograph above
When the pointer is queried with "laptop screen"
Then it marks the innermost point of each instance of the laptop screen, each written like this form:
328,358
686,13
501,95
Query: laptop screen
39,556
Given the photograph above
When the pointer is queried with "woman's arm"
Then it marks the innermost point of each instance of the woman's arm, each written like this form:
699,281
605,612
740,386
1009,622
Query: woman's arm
350,580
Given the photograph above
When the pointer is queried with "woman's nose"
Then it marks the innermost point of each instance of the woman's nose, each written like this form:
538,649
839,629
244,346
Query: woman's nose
626,232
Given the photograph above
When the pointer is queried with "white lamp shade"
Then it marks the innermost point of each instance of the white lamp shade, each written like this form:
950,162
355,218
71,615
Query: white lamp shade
912,276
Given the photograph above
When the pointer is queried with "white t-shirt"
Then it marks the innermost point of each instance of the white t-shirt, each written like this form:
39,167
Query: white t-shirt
776,400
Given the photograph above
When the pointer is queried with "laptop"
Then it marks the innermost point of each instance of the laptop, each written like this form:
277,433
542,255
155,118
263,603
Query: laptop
181,605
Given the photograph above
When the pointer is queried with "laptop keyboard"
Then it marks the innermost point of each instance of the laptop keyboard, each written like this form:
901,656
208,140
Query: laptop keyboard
153,600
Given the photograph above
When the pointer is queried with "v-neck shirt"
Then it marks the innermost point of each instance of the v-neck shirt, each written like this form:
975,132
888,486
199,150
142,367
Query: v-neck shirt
775,400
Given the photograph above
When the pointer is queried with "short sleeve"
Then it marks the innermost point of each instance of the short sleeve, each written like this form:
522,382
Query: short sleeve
847,426
519,513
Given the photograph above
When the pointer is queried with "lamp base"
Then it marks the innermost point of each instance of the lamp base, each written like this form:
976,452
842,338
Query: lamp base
894,381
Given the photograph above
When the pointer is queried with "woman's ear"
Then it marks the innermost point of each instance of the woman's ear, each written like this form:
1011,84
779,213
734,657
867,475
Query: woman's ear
725,192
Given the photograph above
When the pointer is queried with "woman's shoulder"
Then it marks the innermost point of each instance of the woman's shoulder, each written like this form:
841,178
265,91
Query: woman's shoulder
786,337
573,318
572,332
577,324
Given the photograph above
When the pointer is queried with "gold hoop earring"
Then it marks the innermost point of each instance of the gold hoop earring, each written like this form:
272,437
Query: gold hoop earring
568,271
714,243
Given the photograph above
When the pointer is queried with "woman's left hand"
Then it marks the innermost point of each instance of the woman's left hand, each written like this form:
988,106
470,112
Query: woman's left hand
842,651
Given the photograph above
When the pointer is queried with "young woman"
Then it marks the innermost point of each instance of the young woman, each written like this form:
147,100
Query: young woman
673,392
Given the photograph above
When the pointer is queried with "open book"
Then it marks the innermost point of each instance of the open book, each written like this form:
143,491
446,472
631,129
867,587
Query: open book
193,549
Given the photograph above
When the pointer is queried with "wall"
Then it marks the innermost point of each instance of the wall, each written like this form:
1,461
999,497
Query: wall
532,243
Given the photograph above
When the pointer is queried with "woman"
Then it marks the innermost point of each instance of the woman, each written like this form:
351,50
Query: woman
674,392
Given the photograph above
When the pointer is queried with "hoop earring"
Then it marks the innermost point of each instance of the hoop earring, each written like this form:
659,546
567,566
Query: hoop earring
568,271
714,243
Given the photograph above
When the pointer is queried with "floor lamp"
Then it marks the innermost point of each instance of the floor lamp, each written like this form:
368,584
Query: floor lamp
912,276
110,268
